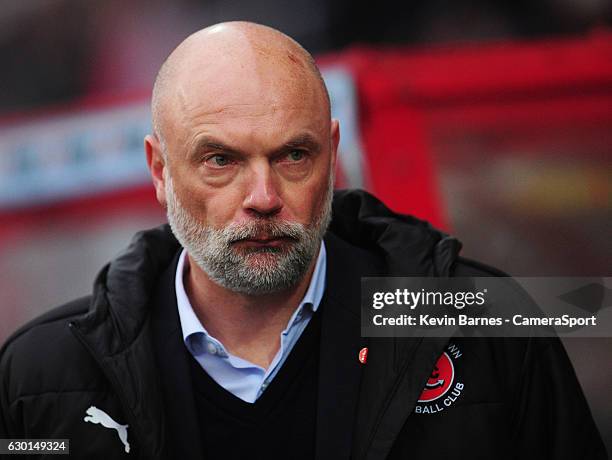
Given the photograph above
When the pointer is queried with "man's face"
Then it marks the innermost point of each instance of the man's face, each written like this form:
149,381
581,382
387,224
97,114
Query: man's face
248,179
258,268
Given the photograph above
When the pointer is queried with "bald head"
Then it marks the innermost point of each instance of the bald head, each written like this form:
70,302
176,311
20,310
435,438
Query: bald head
229,62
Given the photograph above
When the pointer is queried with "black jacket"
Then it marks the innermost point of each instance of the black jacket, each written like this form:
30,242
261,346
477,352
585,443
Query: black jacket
120,350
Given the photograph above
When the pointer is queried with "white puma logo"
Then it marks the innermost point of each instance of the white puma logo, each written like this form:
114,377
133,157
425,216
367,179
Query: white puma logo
95,415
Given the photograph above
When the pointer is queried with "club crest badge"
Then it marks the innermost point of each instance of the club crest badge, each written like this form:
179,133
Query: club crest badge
442,388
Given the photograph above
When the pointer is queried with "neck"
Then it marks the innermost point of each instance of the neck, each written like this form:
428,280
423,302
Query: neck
248,326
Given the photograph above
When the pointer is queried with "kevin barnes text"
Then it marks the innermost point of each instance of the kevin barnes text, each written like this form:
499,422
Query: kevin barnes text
465,320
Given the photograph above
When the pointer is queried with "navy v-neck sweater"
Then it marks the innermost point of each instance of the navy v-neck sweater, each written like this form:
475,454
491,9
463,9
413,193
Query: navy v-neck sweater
279,424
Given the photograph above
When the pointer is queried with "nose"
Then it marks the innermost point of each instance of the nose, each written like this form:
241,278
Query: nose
262,198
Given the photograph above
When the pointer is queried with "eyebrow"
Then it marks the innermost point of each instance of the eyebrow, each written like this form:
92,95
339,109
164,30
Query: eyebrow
304,140
209,143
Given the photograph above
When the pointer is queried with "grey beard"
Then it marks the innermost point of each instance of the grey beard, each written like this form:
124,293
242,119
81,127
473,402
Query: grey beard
251,271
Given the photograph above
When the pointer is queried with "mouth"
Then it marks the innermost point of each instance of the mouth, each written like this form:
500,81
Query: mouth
269,242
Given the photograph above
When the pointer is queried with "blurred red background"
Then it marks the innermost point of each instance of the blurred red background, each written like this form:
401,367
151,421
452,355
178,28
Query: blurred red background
493,123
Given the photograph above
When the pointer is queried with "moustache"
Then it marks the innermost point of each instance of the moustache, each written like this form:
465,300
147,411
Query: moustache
258,230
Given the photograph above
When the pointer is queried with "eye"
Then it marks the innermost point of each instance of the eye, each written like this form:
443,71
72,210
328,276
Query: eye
218,161
296,155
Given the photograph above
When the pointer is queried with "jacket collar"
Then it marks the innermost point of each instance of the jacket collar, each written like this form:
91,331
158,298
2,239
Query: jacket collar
409,246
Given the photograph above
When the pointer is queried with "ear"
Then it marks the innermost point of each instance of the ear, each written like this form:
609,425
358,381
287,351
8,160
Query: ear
335,141
157,164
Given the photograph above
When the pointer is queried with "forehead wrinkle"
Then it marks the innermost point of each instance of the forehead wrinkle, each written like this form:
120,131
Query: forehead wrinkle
238,110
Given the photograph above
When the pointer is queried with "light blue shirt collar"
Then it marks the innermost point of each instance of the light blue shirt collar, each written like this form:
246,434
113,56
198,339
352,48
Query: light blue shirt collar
241,377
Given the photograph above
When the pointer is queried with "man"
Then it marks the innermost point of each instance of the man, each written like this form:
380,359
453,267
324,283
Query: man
237,334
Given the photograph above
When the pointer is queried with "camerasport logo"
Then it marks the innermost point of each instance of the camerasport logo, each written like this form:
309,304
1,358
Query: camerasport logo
442,388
